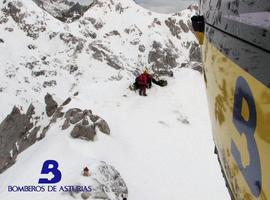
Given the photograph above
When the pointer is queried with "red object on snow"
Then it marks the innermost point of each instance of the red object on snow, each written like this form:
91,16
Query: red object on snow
142,79
86,172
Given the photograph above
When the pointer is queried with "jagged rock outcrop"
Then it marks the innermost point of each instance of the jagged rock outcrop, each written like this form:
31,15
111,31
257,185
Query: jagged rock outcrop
17,133
163,59
18,130
195,52
51,105
183,26
51,83
84,124
15,11
103,126
195,59
102,53
106,183
84,130
64,10
174,27
197,66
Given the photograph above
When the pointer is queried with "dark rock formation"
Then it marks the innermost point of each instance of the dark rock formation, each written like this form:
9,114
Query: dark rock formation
119,8
101,53
76,118
69,38
87,33
195,52
51,105
94,118
51,83
156,22
97,24
17,133
84,124
72,68
163,59
133,30
174,27
113,33
198,66
183,26
142,48
56,115
13,9
37,73
103,126
73,12
84,131
66,102
31,46
69,116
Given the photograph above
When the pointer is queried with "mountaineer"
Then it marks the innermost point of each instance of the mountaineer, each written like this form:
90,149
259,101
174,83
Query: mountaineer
144,81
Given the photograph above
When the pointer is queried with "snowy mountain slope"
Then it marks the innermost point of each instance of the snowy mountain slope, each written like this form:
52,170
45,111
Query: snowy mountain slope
40,54
98,56
157,153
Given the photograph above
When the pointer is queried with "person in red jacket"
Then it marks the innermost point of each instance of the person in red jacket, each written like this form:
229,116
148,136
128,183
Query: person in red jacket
144,81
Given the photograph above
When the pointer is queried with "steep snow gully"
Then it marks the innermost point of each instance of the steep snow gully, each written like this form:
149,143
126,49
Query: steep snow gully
158,147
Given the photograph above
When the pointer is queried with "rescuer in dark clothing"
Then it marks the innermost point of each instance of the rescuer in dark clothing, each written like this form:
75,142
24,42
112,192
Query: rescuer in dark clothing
144,81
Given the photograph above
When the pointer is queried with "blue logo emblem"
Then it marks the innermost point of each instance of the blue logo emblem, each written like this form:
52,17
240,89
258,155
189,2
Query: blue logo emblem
50,166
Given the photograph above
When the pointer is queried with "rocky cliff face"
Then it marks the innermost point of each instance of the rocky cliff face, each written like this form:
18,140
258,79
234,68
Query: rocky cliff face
118,33
65,10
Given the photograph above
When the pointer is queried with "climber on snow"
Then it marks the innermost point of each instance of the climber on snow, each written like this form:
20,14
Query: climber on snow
143,81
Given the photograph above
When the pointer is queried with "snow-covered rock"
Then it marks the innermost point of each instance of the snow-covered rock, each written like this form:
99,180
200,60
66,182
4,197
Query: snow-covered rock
105,181
65,10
